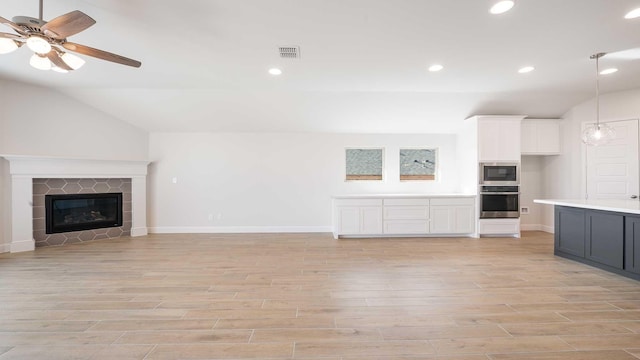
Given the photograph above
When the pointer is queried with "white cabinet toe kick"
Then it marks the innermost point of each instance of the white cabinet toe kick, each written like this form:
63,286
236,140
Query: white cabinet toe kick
387,216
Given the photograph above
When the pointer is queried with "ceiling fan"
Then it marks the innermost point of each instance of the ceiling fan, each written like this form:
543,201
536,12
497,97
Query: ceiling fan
48,41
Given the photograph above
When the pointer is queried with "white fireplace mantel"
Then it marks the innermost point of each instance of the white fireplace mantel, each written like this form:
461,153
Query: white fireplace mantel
23,169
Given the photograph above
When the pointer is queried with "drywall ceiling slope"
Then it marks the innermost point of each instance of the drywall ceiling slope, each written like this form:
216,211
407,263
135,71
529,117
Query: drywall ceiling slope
363,66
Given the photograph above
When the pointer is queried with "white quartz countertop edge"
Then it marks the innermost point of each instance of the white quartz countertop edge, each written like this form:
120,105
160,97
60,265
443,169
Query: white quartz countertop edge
623,206
394,196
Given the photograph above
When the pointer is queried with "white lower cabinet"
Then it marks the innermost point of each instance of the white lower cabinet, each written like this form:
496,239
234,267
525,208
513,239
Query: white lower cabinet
406,216
357,216
499,227
403,216
452,216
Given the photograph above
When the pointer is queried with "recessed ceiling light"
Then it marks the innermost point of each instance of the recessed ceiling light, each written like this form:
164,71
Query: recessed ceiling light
435,67
502,6
635,13
608,71
526,69
275,71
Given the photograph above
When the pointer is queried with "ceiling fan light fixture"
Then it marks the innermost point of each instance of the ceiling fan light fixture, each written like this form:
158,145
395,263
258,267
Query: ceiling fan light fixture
502,6
40,62
75,62
38,45
7,46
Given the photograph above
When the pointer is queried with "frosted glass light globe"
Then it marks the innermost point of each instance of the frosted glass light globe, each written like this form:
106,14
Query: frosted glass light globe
7,46
38,45
40,62
73,61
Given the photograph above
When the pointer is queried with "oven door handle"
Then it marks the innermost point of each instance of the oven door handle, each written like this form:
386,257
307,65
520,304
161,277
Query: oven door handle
499,193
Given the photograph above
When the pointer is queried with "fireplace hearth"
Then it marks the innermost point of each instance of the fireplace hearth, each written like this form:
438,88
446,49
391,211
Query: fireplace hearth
77,212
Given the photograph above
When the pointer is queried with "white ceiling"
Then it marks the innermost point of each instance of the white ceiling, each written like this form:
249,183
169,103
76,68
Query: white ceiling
363,66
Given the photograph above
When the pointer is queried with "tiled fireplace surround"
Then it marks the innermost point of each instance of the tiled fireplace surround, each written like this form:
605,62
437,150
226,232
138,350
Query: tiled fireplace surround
51,175
42,187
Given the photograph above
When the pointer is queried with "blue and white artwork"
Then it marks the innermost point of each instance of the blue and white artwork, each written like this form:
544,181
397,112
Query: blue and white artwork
418,164
364,164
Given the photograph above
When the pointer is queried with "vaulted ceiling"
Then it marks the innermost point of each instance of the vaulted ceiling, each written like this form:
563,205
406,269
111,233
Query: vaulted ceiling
363,64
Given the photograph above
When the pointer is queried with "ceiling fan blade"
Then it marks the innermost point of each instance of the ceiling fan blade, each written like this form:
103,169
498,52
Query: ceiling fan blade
67,25
100,54
10,36
55,58
12,25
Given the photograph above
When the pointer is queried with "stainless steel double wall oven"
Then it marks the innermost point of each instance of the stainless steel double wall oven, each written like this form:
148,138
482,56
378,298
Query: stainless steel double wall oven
499,190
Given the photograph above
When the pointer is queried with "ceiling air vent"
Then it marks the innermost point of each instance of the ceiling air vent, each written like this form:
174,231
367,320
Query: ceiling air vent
289,52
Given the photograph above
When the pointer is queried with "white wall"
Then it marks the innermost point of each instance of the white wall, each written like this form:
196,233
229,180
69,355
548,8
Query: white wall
43,122
271,182
531,187
564,175
5,201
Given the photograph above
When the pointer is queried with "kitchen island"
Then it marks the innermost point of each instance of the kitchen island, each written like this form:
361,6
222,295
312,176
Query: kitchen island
600,233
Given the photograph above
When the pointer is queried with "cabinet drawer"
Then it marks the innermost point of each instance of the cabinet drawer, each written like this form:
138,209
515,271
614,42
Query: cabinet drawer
452,201
406,212
406,227
498,227
357,202
406,202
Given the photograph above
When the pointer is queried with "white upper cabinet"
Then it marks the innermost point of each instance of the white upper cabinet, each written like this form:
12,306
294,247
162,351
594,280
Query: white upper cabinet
499,138
540,137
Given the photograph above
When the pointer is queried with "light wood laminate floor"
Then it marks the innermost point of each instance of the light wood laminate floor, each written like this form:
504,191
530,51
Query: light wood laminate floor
308,296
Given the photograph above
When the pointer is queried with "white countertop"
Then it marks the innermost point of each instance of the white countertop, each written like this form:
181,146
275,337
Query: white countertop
624,206
394,196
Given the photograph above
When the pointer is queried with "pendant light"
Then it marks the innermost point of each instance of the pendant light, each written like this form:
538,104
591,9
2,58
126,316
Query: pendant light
598,134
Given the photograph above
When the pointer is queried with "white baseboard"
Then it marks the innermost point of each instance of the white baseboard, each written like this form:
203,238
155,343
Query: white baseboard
548,229
141,231
238,229
21,246
536,227
530,227
4,248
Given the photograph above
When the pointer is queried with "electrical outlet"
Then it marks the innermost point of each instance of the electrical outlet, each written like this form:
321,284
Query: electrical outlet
174,180
210,217
524,210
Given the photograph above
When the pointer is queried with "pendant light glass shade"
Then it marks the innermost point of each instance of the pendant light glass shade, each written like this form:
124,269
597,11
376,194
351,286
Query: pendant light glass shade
7,46
598,134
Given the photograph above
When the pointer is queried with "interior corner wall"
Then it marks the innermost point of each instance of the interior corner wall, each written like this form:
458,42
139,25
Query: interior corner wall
5,203
239,182
531,188
563,175
37,121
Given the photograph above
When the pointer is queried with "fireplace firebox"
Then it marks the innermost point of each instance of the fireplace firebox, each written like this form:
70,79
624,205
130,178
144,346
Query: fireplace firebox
76,212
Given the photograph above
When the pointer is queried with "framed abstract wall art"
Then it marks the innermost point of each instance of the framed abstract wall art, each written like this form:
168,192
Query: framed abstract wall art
364,164
418,164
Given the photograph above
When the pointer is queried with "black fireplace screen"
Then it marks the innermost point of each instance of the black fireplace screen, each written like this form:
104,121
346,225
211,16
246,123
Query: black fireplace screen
77,212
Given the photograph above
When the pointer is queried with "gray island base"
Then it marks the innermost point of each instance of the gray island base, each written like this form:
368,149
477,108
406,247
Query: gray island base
604,234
